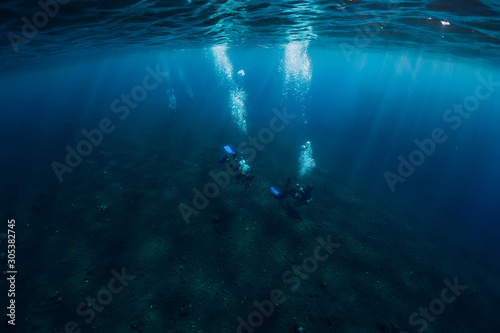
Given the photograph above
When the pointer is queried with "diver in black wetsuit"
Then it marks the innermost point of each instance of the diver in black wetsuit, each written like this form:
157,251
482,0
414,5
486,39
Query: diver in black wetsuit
302,196
240,167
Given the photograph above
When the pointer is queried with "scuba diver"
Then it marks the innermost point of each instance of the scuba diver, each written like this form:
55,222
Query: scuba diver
301,195
238,166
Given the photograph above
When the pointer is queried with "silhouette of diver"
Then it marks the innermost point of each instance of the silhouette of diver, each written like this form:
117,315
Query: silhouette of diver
302,196
239,167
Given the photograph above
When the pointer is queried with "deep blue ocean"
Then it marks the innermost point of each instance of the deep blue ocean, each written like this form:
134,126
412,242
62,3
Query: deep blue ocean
115,115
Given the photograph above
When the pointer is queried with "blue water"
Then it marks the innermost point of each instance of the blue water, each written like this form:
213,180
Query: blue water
360,116
398,104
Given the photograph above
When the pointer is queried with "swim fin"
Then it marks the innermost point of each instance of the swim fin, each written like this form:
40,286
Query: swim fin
229,150
223,159
275,192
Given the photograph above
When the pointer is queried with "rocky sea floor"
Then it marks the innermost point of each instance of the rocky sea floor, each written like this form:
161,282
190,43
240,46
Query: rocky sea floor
107,250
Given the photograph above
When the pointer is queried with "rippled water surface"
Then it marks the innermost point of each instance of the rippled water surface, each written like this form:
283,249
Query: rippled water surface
469,28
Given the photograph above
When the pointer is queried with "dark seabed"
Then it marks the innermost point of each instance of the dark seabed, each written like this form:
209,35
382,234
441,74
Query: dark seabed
125,211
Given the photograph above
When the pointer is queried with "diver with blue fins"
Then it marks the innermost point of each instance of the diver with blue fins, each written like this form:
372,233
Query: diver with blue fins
238,166
301,195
